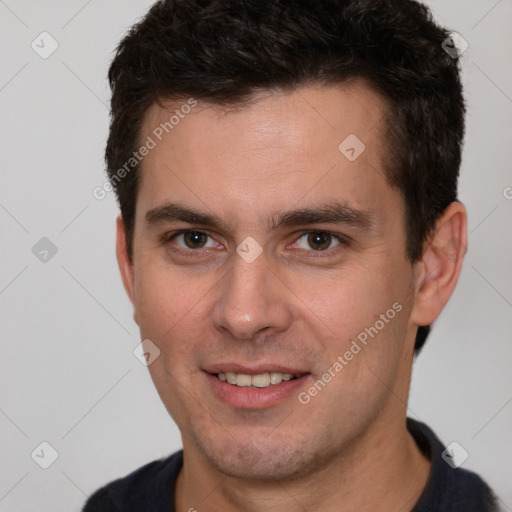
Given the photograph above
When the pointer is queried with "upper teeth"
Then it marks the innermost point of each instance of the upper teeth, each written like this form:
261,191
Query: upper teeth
262,380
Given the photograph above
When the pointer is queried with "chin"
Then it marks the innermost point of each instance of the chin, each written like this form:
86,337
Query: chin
259,463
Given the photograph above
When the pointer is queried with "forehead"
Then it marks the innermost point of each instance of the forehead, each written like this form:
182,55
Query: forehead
340,109
281,148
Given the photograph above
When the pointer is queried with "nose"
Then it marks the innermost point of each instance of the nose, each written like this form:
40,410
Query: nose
252,298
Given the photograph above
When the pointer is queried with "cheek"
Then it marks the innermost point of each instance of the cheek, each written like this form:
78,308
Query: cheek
361,315
347,299
174,311
170,308
162,299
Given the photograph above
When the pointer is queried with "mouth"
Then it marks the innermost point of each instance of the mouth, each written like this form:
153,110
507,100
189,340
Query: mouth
260,387
256,386
259,381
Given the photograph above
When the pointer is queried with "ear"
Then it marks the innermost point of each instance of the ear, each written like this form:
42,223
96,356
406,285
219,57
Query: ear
440,266
125,265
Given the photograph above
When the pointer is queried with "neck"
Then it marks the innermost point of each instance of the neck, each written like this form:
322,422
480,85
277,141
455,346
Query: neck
383,470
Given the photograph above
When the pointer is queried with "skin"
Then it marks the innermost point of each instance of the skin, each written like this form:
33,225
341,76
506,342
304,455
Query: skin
348,448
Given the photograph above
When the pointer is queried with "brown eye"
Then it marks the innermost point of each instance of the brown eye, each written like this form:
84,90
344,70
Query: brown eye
191,240
319,240
195,239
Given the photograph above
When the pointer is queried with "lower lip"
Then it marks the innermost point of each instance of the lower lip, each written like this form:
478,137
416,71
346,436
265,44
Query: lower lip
255,398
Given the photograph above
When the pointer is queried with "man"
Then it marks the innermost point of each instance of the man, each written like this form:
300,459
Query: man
287,178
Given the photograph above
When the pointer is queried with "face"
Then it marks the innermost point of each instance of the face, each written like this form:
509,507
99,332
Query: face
263,247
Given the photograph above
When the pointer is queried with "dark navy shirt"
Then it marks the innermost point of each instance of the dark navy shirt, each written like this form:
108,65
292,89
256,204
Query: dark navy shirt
151,487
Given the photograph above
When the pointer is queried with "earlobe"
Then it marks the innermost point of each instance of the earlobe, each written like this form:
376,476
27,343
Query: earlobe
124,263
441,264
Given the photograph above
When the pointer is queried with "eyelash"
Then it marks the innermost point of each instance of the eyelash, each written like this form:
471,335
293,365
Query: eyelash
193,253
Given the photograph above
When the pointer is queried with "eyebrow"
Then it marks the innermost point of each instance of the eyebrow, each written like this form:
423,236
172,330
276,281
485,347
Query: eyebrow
172,212
332,213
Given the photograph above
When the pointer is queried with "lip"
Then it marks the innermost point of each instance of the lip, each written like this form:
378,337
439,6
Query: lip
255,398
253,370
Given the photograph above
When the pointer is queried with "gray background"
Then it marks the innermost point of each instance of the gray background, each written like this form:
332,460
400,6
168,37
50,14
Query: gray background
68,373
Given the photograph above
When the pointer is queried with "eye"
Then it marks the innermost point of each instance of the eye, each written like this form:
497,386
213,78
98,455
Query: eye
191,240
318,241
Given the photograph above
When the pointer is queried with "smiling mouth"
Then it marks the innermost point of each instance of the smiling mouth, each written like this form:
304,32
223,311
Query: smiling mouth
261,380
